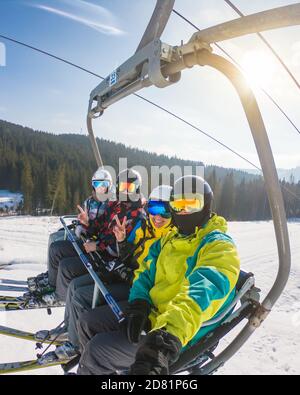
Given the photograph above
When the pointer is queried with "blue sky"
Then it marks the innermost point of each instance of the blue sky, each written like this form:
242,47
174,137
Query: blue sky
39,92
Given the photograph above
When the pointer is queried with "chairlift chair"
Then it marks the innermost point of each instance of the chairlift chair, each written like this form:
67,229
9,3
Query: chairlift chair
159,64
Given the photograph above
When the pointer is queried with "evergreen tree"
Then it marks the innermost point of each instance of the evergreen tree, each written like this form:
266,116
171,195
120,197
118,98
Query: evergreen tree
227,198
27,187
215,184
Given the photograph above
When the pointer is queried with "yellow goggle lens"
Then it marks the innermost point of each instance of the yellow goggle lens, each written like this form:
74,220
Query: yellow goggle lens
188,205
127,187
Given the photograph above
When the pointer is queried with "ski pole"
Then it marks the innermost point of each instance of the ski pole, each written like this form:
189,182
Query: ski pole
107,296
96,289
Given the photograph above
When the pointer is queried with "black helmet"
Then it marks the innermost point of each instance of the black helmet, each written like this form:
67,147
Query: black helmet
196,194
129,183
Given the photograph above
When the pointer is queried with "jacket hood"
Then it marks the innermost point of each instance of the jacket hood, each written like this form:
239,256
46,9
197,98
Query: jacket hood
216,222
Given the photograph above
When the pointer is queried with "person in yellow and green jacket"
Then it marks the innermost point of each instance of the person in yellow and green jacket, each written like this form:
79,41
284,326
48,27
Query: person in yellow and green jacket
187,278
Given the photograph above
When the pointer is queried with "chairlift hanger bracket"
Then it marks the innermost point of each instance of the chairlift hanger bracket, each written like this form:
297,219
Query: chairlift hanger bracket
158,64
143,69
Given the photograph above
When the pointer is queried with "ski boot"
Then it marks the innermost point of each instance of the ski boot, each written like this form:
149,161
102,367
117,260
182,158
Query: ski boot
63,353
39,283
66,354
59,334
48,300
66,351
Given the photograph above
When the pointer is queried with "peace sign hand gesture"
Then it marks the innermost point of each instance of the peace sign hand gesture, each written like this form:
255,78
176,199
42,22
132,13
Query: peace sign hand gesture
120,229
83,216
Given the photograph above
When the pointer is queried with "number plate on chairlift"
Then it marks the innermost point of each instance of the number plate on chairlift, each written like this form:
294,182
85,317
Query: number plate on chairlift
113,78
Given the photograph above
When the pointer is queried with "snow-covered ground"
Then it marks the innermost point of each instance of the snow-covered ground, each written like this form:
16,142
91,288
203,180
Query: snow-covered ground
273,349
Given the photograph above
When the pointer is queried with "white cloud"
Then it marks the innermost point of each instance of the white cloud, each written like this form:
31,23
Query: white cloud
87,14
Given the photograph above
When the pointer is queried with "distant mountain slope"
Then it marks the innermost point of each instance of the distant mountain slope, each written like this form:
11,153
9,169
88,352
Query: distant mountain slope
290,175
48,152
55,170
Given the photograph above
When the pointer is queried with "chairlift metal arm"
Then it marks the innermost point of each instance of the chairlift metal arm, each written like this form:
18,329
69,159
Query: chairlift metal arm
158,22
94,144
266,20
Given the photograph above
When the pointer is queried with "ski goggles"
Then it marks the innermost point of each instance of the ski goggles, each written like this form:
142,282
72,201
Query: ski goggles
188,203
162,209
100,184
128,187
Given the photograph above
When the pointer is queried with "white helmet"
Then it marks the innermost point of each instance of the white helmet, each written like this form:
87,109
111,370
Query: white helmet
161,193
102,175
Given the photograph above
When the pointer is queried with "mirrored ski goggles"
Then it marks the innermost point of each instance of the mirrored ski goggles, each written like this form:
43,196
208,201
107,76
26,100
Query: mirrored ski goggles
101,184
128,187
188,203
159,208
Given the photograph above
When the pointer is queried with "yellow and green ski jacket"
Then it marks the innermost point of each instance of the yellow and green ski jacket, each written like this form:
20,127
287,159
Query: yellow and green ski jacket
188,280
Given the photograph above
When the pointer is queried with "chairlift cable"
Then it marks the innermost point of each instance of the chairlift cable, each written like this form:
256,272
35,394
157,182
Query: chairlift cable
51,55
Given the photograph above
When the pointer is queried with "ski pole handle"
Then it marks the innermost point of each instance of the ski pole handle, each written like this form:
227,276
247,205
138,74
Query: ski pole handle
107,296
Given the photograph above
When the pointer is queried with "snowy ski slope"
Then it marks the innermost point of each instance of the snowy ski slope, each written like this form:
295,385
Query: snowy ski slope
273,349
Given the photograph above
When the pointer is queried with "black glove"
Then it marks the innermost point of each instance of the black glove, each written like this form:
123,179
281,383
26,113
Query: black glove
120,273
108,277
125,274
154,356
137,319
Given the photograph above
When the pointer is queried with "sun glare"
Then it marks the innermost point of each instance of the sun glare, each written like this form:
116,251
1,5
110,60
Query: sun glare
259,68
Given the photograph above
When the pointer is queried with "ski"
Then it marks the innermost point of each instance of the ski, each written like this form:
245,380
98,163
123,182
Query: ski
12,306
13,288
46,361
11,332
11,303
12,282
8,299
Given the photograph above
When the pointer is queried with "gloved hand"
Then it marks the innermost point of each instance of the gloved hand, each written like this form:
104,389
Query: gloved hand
118,273
137,320
125,274
108,277
154,356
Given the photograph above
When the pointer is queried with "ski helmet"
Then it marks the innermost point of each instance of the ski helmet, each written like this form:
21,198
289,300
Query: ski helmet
161,193
158,203
102,176
129,183
194,196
